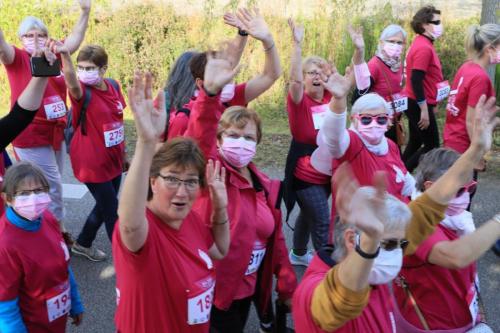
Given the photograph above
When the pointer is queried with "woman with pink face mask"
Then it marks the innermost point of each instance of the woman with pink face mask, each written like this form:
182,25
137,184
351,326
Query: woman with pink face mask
37,287
42,142
471,81
257,251
425,85
97,150
441,275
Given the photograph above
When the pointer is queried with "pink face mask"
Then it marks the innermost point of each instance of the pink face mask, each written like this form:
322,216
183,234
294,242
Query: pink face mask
90,78
29,44
495,59
372,133
238,152
31,206
458,205
437,31
393,50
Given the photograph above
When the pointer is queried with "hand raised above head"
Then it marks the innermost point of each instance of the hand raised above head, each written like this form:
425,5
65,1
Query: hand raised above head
356,35
485,122
253,23
84,4
338,85
149,121
219,69
232,20
297,31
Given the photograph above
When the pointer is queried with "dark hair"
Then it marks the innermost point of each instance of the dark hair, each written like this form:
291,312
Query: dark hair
423,16
433,165
93,53
197,65
20,172
180,83
182,152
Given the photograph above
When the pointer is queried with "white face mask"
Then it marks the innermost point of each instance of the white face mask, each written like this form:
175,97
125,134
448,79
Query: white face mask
386,266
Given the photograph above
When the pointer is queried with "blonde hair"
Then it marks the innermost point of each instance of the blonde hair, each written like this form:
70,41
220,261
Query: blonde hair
313,60
239,116
479,37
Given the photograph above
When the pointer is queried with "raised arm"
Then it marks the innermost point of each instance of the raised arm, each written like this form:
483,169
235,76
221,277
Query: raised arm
7,52
75,39
149,123
240,41
296,85
253,23
70,77
361,70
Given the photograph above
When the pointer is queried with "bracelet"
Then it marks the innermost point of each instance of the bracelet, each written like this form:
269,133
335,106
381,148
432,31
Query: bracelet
242,32
227,220
364,254
269,48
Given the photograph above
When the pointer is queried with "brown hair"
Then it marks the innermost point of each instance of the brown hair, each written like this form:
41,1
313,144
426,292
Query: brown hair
423,16
20,172
239,116
197,65
433,165
93,53
182,152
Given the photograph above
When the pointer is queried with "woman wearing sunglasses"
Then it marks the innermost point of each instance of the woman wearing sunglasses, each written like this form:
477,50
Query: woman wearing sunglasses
441,276
425,85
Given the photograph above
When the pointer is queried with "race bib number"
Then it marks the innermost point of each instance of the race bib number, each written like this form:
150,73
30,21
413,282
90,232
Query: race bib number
443,90
54,107
318,114
114,134
59,305
255,260
199,307
400,102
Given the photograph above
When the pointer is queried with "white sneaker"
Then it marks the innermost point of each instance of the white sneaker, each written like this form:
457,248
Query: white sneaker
301,260
91,253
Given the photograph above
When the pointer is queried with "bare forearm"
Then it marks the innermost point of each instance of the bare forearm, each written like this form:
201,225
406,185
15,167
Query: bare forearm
469,121
296,64
31,97
220,232
272,65
241,42
6,51
359,56
76,37
70,76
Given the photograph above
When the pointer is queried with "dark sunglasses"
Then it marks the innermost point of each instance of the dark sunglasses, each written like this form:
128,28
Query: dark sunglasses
436,22
367,119
471,188
392,244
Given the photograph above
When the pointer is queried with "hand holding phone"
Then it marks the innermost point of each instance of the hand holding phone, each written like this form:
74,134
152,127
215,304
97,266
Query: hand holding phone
40,67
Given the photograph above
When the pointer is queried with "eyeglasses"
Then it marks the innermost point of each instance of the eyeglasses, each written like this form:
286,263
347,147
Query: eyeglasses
313,73
398,42
31,36
471,188
367,119
436,22
87,69
38,190
174,183
392,244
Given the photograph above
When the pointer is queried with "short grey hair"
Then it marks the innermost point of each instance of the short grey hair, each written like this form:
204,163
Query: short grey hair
433,165
396,215
30,23
369,102
392,30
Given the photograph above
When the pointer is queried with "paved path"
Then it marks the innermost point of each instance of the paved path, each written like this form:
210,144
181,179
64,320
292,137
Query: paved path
96,280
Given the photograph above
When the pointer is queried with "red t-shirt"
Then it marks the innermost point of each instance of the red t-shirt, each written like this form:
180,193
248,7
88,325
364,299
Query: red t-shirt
34,267
305,119
423,56
168,282
440,293
98,156
385,81
2,173
377,316
264,227
471,81
48,126
179,122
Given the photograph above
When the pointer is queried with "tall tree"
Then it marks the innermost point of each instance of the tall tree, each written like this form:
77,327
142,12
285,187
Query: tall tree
489,14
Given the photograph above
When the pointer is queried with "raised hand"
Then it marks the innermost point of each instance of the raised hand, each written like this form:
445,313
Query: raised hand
57,47
216,181
297,31
356,36
84,4
232,20
338,85
220,69
253,23
485,122
149,121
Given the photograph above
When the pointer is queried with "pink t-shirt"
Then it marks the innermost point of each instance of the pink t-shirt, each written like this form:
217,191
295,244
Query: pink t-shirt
443,295
264,229
98,156
48,126
377,316
34,267
422,56
385,81
471,81
305,119
167,286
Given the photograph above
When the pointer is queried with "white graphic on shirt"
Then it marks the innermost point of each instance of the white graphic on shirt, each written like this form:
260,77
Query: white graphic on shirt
65,250
206,259
450,107
400,176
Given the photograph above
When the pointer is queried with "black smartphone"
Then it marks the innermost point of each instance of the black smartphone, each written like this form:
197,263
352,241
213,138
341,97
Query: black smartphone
40,67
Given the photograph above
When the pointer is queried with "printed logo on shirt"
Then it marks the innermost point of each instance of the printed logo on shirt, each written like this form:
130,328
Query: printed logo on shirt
400,176
393,322
450,107
119,107
206,259
117,296
65,250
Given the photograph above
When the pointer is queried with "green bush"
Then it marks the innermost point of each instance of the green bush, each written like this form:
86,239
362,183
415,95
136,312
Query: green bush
152,36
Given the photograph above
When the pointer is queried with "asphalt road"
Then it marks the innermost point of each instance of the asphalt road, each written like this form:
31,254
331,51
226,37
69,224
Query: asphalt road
96,280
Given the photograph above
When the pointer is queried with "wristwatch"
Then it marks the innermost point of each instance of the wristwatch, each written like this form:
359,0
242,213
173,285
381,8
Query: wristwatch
242,32
364,254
